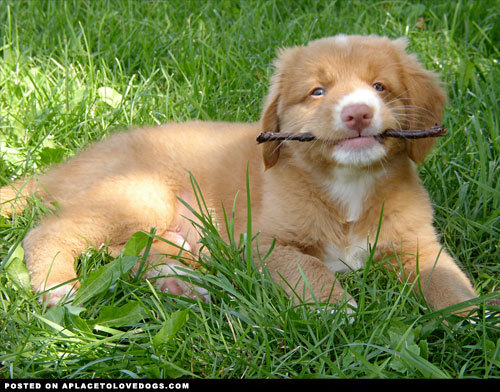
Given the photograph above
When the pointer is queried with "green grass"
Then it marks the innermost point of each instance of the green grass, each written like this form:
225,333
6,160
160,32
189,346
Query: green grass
72,72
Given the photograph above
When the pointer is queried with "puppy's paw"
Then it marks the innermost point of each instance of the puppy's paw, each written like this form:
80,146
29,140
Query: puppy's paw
169,282
53,296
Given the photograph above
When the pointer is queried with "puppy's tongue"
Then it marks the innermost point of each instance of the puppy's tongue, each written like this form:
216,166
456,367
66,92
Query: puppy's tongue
358,143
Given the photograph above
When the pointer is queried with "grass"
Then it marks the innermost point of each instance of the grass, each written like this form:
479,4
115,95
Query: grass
72,72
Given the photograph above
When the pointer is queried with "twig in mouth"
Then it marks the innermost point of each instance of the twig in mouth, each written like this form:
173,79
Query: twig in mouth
435,131
272,136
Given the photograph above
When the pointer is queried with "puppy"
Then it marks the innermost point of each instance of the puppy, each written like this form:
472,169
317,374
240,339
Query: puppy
321,201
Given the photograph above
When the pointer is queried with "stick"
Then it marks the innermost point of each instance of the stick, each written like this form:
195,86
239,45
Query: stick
435,131
270,136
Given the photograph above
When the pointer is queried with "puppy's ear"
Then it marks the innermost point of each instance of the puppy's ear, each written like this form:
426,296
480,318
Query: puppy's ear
269,121
424,105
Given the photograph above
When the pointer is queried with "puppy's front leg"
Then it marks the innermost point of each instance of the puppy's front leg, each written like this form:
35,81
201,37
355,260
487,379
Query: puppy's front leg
442,282
289,266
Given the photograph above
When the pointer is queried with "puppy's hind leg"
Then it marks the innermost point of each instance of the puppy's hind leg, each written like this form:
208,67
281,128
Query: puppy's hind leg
165,271
50,252
170,275
106,214
163,266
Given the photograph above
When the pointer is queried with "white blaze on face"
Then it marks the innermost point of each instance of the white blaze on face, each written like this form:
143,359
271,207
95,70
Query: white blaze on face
361,96
360,151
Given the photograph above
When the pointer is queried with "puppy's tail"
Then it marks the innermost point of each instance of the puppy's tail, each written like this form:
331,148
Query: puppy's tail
14,197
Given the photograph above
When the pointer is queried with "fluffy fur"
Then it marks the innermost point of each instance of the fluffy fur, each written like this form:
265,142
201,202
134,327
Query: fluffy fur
320,200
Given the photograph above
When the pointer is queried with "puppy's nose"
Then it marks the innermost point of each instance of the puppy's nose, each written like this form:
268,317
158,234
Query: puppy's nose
357,116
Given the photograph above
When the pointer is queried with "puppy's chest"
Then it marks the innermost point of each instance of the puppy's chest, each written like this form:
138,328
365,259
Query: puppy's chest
350,191
340,246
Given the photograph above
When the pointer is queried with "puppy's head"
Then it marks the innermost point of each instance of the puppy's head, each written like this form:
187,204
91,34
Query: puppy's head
347,90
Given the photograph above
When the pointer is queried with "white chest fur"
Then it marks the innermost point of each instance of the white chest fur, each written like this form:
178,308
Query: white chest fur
350,258
350,188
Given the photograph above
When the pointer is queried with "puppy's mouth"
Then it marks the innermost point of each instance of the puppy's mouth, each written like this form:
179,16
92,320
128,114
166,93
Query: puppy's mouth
357,142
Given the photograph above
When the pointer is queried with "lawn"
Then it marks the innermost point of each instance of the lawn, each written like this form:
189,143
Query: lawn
73,72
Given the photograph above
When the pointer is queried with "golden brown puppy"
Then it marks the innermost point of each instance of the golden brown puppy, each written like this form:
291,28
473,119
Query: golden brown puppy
321,200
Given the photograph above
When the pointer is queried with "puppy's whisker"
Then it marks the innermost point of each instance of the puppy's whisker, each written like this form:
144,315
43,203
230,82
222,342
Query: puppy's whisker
397,98
416,122
415,109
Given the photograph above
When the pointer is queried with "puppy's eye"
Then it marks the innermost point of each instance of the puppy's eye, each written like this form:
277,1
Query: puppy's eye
318,92
378,86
